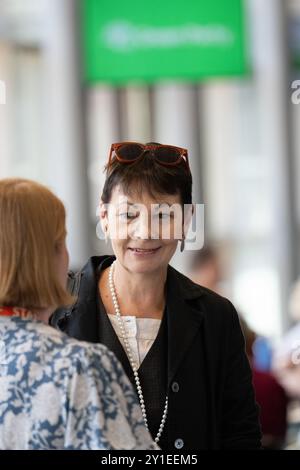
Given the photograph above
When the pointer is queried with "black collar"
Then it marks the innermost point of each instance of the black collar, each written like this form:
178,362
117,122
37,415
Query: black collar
184,317
187,289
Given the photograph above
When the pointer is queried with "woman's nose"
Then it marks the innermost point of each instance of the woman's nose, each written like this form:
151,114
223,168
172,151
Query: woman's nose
144,228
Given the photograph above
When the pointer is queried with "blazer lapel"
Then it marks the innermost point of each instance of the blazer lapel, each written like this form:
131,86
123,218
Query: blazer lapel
108,337
106,332
184,320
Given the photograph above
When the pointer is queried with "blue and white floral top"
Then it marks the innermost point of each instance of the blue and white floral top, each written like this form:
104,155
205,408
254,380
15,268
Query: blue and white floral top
59,393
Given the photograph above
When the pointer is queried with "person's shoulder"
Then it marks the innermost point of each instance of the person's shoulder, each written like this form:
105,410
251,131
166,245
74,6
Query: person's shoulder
218,312
191,290
59,344
82,281
95,264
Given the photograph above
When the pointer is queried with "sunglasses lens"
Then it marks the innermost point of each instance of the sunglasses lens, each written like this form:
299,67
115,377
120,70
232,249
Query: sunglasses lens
167,154
130,151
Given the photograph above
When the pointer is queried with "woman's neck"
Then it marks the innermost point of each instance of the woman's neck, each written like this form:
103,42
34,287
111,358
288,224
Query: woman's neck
139,294
28,313
43,314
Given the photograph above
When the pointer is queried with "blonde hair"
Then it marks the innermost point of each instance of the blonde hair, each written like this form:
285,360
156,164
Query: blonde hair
32,222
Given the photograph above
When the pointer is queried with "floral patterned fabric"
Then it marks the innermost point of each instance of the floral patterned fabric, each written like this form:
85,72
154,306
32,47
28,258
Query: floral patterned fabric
59,393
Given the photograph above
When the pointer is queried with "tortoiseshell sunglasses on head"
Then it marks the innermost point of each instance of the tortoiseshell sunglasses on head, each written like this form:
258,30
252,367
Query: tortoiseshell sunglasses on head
166,155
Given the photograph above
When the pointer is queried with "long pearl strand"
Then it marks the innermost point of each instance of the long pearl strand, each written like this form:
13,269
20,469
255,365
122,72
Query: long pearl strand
131,360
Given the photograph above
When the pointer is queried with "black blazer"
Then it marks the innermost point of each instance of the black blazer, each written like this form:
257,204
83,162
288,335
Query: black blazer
211,398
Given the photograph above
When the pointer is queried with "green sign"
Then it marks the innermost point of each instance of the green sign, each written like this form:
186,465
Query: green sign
151,40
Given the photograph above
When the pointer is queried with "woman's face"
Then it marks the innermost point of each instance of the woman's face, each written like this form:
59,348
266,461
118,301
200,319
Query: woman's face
144,230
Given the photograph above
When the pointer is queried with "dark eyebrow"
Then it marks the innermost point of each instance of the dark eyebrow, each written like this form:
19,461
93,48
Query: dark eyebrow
159,204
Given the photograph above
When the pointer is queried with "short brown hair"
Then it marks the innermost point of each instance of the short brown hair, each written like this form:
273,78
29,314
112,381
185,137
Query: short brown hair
147,175
32,222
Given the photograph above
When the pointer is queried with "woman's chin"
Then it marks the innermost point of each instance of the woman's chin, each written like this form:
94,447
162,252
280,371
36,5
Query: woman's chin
144,264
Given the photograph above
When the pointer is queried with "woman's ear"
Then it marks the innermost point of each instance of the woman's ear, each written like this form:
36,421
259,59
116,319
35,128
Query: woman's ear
103,216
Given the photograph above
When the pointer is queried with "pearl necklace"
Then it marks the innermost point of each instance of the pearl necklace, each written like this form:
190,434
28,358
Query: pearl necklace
130,357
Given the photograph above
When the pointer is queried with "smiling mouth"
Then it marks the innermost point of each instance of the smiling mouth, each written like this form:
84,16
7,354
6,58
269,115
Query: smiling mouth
143,250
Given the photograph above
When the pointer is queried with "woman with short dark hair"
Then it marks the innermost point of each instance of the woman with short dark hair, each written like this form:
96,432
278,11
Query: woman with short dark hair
180,344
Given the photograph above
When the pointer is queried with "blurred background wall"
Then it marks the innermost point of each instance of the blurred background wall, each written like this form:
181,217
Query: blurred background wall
242,134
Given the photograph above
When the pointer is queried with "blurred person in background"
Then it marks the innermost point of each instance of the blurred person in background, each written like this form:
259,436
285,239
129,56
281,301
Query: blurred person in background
286,364
270,396
55,392
206,268
180,344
